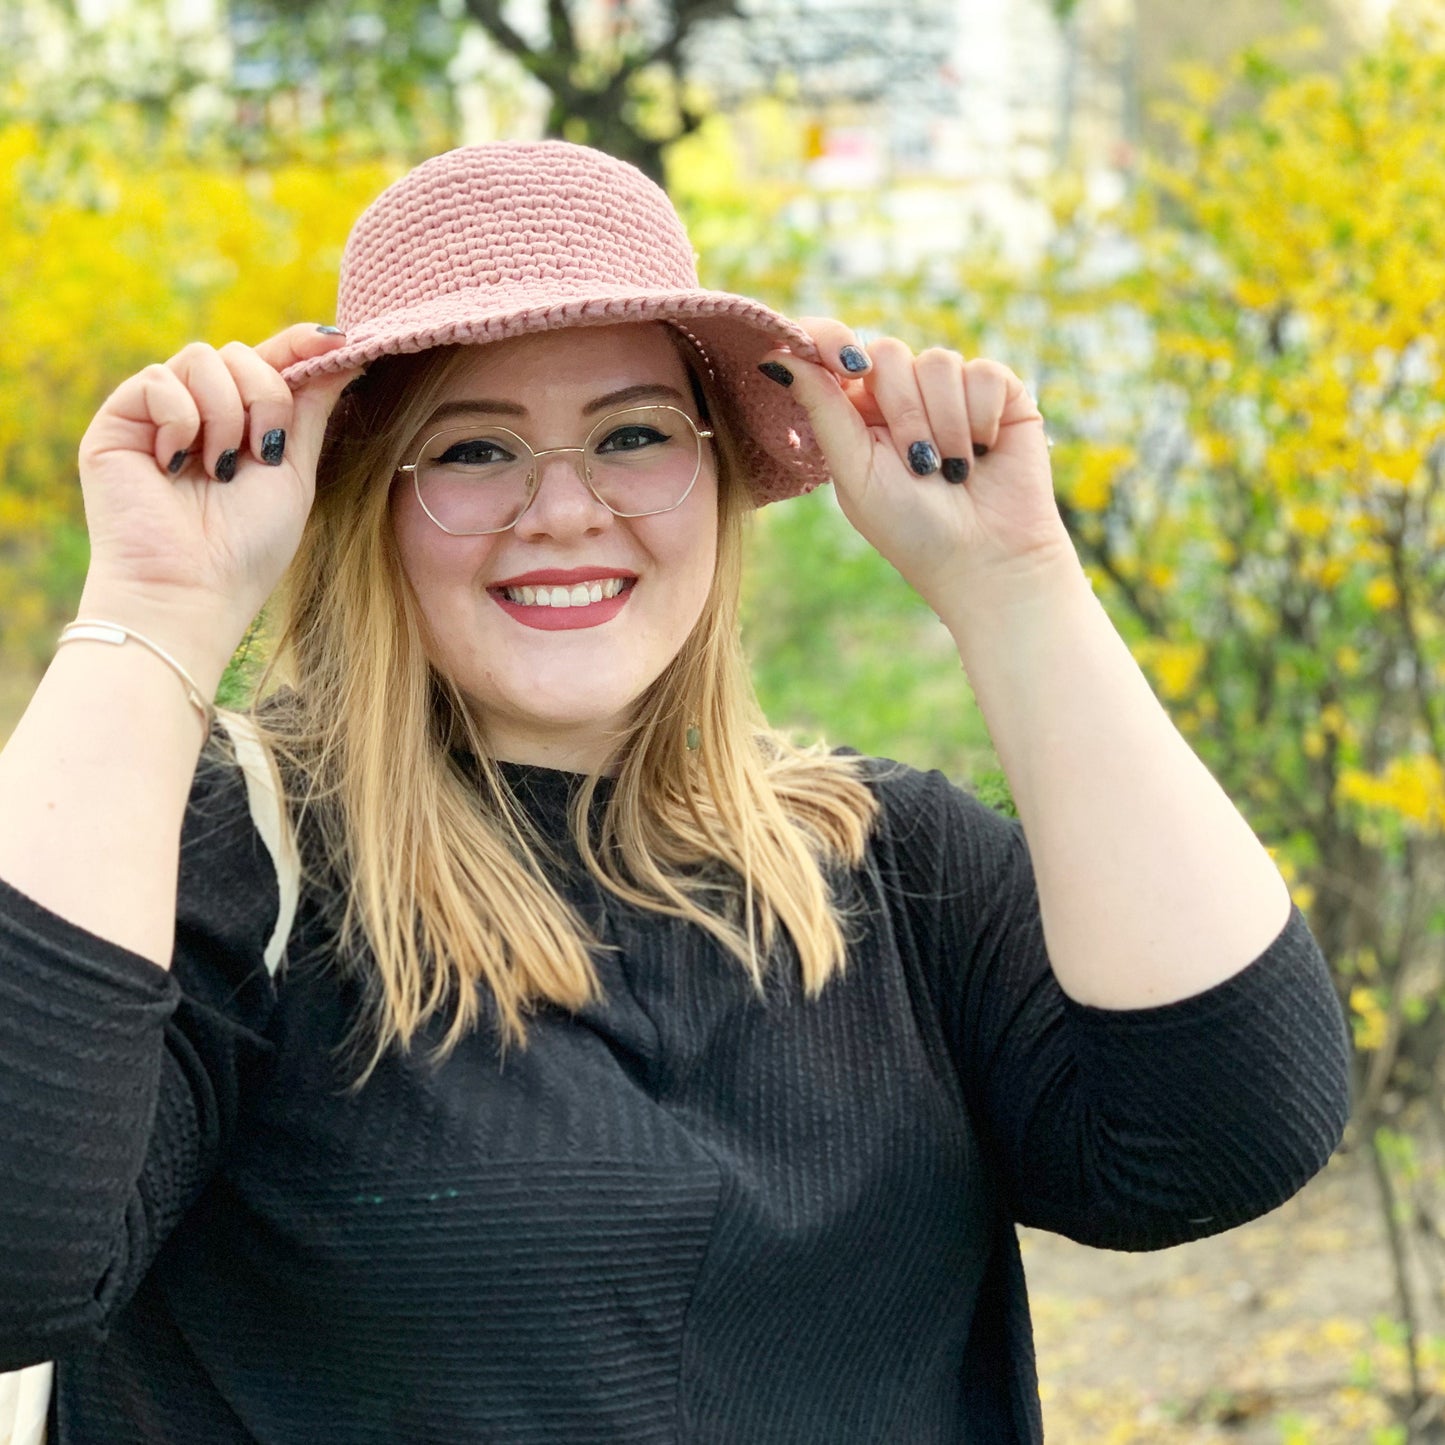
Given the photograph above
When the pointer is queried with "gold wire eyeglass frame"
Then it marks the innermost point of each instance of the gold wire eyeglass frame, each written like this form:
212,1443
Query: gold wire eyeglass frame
534,483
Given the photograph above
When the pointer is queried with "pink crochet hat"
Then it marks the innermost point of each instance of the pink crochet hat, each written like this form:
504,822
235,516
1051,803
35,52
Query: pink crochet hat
499,240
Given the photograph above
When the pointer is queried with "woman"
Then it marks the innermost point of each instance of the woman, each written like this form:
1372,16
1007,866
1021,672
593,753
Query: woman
619,1071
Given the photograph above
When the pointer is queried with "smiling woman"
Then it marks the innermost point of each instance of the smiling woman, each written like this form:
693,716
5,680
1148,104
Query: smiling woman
553,527
501,1033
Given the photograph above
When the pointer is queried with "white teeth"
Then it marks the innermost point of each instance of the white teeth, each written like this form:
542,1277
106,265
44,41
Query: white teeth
578,596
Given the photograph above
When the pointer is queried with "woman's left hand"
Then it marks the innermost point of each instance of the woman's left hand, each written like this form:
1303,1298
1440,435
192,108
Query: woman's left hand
940,463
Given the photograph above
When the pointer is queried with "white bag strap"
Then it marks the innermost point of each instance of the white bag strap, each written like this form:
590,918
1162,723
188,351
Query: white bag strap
263,793
24,1401
25,1394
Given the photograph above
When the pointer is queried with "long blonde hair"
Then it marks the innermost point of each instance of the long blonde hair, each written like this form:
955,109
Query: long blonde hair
435,873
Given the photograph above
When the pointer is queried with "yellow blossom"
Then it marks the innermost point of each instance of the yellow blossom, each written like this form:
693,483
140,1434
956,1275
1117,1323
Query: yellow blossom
1369,1020
1097,470
1382,594
1175,665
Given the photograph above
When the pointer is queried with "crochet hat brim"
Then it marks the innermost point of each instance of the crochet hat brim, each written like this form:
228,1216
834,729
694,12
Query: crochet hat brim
732,333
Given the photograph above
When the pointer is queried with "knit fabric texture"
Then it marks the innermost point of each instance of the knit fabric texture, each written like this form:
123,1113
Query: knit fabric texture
685,1213
492,241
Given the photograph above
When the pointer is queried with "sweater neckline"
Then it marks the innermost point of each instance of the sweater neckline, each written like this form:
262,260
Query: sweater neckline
544,793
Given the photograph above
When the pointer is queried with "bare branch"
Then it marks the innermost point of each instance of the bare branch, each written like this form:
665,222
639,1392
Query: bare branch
488,14
686,15
559,24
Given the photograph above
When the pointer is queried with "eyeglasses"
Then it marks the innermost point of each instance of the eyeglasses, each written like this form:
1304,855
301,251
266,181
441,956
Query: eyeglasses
478,479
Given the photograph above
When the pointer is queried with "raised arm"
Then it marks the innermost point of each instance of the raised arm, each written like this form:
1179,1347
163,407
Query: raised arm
116,854
197,476
1151,884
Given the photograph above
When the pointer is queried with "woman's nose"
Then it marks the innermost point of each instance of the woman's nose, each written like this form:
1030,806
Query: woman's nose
562,502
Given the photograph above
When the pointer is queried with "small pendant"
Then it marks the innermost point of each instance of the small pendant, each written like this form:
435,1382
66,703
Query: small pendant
694,738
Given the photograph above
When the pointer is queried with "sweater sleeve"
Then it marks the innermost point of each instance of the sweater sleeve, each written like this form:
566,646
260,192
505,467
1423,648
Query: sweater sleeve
120,1081
1128,1129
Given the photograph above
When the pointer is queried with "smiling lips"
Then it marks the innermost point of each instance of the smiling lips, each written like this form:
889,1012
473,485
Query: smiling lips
558,599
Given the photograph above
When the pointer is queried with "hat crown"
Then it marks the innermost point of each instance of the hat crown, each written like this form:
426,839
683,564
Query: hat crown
547,216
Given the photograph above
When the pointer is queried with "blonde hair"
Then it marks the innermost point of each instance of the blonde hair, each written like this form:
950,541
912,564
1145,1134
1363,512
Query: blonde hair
435,873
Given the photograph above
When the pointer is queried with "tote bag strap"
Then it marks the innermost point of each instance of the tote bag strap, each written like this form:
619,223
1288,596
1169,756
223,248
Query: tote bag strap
25,1394
24,1402
268,814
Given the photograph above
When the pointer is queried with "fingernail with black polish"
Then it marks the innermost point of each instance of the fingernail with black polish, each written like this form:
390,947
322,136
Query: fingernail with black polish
854,359
923,458
272,445
177,461
776,371
331,331
226,466
980,449
955,469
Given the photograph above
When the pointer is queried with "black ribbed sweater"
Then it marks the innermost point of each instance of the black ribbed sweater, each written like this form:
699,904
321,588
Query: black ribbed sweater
683,1214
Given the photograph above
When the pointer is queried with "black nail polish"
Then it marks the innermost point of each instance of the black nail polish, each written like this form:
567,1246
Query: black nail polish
272,446
854,359
980,449
226,466
177,461
776,371
923,458
955,469
331,331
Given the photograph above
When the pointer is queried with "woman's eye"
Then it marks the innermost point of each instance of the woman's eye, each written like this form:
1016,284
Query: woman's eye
631,438
476,453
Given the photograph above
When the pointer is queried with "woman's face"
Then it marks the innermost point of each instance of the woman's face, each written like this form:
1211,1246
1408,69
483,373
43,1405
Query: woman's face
555,685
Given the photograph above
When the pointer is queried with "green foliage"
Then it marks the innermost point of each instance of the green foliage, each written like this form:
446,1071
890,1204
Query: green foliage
842,647
239,681
358,79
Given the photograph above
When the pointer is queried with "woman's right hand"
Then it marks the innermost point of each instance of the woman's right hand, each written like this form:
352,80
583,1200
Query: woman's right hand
175,550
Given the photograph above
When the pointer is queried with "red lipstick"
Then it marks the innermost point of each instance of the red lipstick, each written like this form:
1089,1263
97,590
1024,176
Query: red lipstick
563,619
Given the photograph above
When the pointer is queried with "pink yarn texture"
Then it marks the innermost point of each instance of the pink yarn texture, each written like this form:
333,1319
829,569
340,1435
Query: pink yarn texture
491,241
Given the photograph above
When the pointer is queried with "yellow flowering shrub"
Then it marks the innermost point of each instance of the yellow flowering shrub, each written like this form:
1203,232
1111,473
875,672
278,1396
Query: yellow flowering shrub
1279,550
121,244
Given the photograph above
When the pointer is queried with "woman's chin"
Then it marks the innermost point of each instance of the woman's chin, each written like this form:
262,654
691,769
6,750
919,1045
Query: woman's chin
554,732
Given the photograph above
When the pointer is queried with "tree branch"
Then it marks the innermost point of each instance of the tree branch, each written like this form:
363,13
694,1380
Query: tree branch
559,25
488,14
686,14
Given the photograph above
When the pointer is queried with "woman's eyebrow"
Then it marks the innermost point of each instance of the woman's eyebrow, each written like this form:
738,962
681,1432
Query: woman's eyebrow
475,406
631,393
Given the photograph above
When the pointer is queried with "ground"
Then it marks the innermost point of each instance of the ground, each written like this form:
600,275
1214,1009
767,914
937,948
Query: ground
1276,1333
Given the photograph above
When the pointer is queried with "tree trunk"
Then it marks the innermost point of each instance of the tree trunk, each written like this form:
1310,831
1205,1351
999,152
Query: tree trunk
601,126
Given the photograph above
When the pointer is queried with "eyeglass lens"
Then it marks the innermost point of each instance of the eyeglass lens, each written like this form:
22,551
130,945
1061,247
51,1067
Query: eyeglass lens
478,478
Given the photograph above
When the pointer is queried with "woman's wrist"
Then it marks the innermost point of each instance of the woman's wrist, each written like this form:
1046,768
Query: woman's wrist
200,632
991,615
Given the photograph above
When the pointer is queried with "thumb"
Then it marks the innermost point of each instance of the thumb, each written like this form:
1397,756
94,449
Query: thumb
842,433
315,400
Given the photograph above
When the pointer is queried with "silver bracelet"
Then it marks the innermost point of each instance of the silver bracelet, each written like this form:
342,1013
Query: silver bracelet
89,629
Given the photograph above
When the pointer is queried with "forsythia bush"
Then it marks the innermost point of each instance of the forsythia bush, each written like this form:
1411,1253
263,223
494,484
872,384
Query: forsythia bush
120,245
1290,542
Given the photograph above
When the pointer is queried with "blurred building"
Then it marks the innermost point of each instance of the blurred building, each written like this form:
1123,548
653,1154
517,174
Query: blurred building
935,125
938,124
926,125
